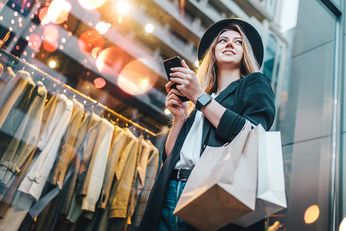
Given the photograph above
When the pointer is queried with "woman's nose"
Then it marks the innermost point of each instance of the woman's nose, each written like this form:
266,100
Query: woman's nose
230,43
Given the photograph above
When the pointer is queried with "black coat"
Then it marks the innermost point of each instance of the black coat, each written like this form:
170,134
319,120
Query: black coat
251,98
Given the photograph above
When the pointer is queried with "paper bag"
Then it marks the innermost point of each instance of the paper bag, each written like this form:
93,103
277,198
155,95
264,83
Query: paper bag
271,196
222,185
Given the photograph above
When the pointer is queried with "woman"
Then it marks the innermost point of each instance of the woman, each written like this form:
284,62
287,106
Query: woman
226,91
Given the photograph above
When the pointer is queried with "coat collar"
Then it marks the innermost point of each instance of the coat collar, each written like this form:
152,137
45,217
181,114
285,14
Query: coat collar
228,90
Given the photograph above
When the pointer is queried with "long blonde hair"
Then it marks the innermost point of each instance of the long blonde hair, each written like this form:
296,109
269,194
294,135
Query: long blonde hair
207,71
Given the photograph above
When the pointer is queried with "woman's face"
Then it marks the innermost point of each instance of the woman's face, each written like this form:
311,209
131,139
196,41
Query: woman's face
229,49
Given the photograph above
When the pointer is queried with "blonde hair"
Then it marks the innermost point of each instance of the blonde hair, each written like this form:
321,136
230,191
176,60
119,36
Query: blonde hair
207,71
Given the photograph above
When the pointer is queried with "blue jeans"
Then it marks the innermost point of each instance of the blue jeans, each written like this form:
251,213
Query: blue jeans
168,221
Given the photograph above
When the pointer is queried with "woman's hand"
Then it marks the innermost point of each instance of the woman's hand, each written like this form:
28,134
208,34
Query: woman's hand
186,81
174,104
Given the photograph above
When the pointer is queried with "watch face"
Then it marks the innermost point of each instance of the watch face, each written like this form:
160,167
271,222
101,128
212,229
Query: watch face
205,99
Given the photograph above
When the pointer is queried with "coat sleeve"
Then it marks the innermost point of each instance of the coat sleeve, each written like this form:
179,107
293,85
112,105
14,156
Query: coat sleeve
257,107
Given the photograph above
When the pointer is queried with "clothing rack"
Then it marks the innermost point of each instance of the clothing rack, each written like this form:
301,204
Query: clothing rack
74,91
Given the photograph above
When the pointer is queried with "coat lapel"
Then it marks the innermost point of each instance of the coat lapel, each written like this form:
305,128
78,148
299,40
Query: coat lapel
220,98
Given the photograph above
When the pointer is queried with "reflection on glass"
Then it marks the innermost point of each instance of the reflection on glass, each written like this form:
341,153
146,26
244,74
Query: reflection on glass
311,214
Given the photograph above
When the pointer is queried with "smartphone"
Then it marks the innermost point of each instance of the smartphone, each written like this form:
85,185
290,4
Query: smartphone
168,64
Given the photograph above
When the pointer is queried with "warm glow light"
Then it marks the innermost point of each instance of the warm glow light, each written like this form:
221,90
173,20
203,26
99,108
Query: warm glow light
196,64
52,63
95,52
123,7
103,27
90,39
99,82
149,28
111,60
57,12
342,226
34,41
50,46
50,33
167,112
120,19
91,4
311,214
137,78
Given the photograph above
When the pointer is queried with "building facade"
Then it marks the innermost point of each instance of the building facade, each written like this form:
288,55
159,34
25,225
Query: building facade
313,118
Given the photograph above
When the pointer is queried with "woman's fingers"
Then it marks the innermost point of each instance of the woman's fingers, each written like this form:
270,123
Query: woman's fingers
183,63
168,86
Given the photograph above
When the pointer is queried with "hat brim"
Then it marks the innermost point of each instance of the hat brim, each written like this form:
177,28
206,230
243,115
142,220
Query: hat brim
251,33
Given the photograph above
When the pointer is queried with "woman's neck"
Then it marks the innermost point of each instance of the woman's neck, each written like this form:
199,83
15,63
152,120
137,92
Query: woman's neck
226,77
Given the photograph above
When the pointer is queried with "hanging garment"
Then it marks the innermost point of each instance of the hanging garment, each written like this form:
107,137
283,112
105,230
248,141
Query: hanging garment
12,92
68,148
119,142
120,201
5,77
94,178
147,171
82,164
86,130
49,142
137,186
15,116
26,137
17,212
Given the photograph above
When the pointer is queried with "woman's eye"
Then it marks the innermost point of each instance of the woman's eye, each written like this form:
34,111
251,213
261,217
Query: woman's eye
238,42
222,40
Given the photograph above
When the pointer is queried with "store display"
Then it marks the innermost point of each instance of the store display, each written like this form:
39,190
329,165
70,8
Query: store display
63,163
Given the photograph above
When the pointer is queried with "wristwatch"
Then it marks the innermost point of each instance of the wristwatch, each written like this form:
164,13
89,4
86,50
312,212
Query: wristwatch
203,101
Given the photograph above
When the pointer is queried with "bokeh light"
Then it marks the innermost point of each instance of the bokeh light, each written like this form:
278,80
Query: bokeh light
111,60
50,33
149,28
50,46
34,41
167,112
137,78
90,39
123,7
96,52
57,12
103,27
52,63
311,214
91,4
99,82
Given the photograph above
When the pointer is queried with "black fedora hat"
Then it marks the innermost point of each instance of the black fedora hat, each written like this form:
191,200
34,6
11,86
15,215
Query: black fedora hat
250,32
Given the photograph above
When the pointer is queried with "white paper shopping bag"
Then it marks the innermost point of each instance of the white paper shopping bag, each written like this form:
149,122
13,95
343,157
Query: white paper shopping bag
271,196
222,185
